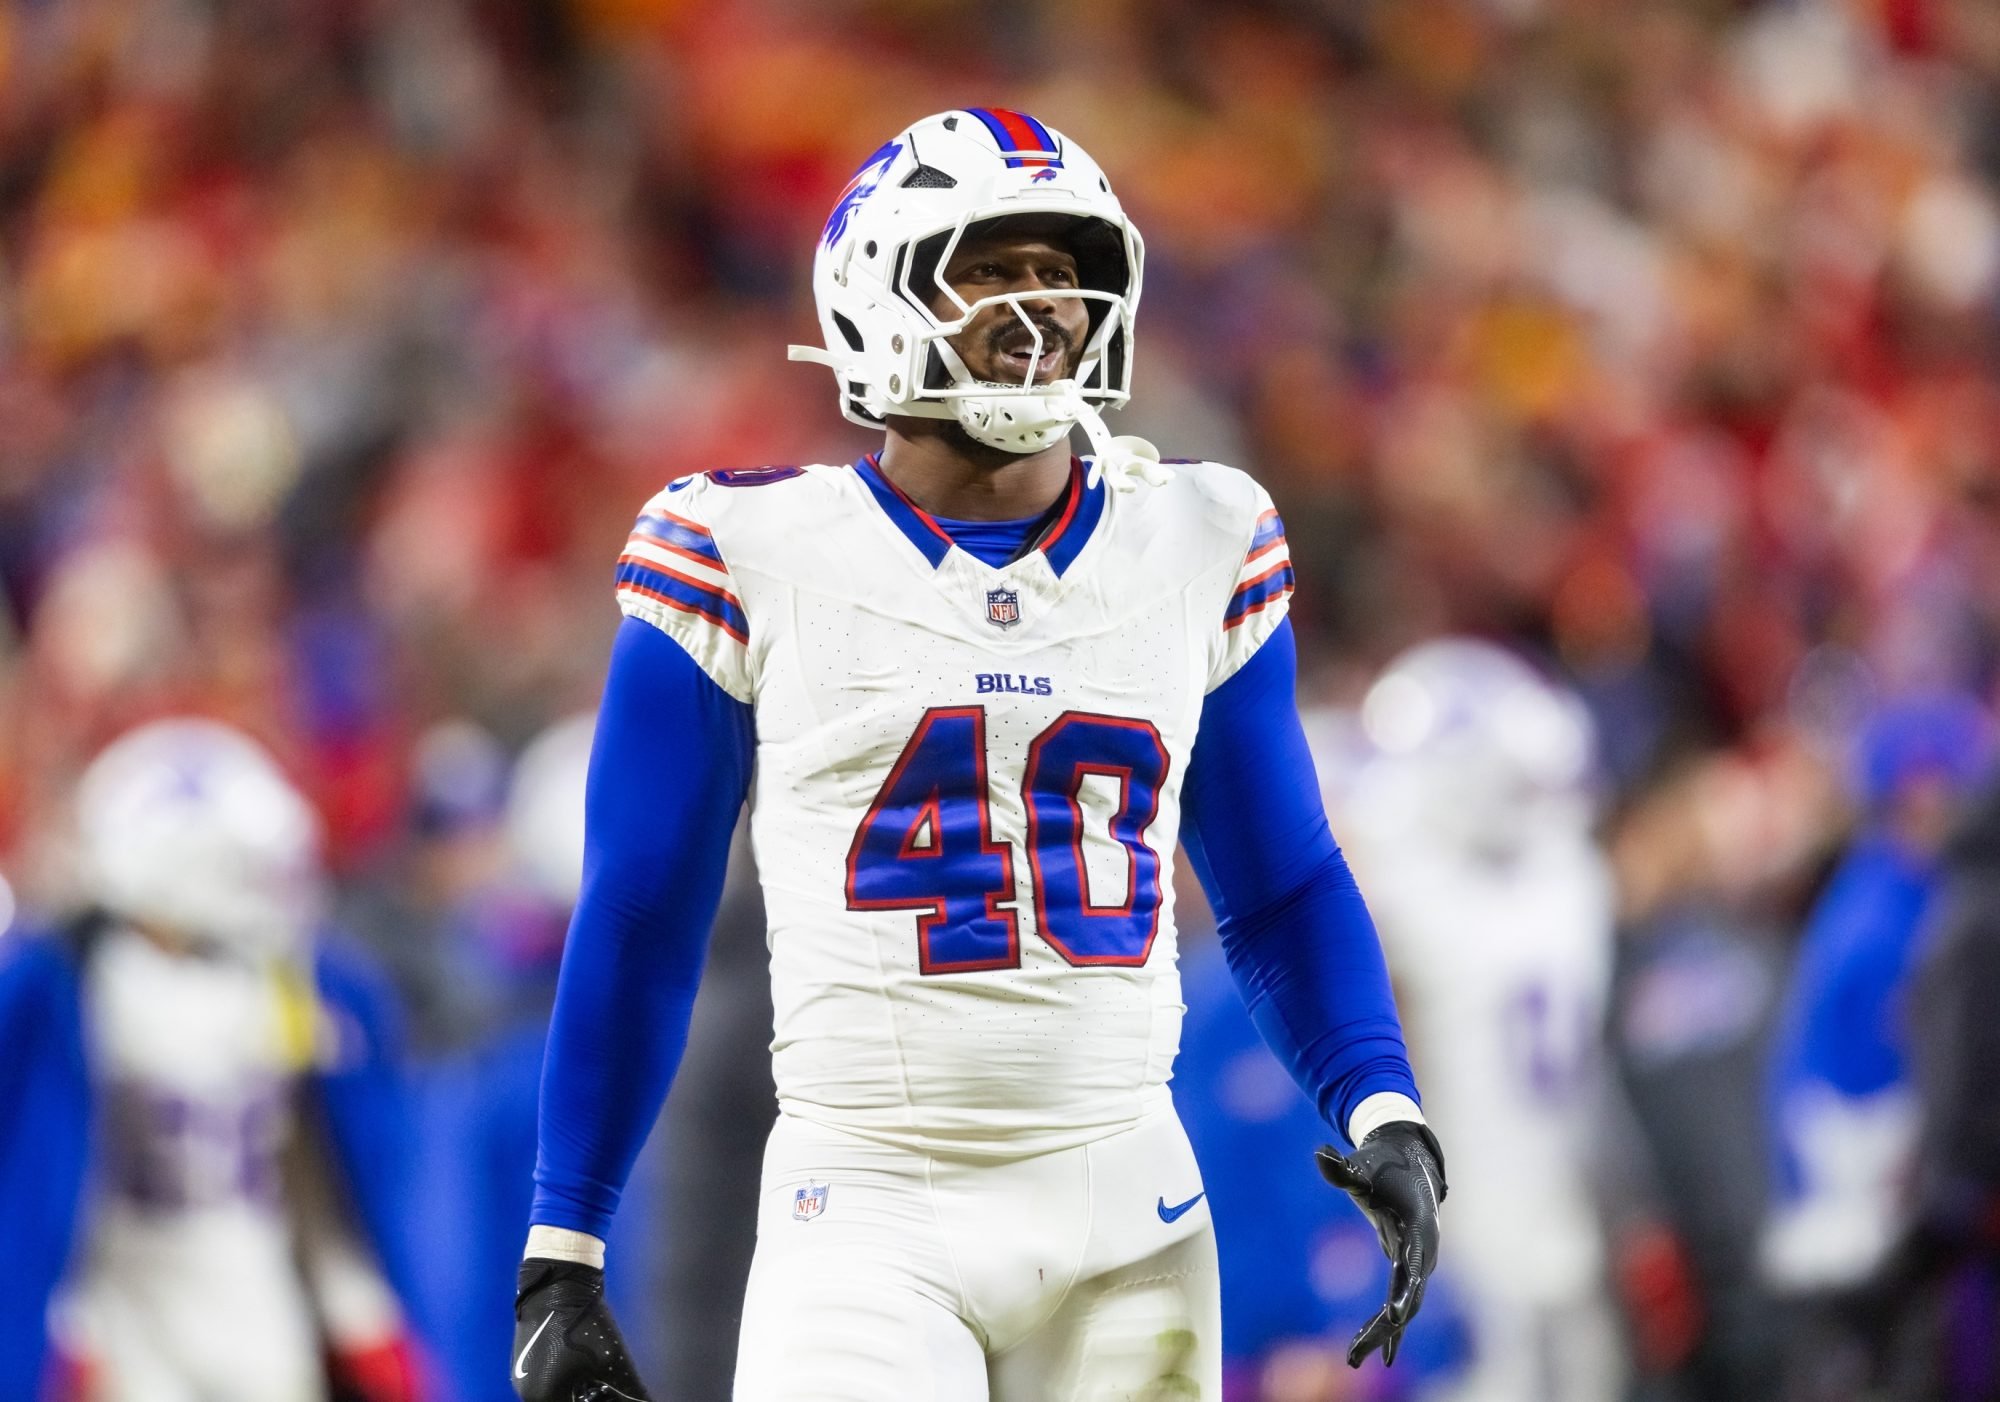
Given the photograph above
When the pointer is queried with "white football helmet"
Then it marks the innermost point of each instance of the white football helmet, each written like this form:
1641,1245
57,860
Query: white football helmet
189,825
897,224
1475,747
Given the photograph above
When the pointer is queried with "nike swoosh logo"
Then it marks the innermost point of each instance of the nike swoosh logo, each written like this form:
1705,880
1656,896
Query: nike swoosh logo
1174,1214
519,1371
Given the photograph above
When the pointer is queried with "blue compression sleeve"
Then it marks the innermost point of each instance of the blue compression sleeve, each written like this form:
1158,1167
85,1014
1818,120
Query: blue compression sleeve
669,769
1294,928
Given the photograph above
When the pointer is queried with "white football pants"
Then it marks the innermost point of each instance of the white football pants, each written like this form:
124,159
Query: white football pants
1085,1275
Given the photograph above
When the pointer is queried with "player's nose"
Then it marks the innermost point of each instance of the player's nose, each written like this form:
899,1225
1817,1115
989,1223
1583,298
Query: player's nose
1029,302
1047,310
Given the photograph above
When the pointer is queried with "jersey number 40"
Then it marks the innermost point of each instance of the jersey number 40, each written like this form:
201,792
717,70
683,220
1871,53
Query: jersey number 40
927,843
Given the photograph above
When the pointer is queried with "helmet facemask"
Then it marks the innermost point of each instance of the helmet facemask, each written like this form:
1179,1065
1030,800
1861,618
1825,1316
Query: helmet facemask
1027,415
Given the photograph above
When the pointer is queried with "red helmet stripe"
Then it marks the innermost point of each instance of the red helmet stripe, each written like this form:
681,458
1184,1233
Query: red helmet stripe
1015,133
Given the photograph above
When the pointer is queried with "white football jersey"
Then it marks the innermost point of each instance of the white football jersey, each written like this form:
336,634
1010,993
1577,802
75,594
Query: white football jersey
188,1283
968,779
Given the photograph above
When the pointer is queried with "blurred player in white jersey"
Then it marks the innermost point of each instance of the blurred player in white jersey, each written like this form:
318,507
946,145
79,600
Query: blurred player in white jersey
214,1257
1469,816
985,689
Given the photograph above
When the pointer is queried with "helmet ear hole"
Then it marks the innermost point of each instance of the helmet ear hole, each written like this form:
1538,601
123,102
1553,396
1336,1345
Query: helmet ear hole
849,332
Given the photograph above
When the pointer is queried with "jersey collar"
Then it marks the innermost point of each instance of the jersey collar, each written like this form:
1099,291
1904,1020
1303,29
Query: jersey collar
1081,509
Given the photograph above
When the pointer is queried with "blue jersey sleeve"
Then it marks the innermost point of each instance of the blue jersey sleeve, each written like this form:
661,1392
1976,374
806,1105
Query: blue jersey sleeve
46,1106
669,769
1297,935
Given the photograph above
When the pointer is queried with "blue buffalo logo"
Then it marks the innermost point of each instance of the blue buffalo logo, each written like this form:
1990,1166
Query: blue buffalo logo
858,189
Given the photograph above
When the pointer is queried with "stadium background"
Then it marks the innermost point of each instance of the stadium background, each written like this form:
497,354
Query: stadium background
340,340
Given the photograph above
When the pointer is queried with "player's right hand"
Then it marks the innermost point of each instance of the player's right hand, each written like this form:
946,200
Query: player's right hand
567,1347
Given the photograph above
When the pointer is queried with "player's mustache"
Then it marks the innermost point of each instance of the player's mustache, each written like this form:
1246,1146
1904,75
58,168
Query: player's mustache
1014,336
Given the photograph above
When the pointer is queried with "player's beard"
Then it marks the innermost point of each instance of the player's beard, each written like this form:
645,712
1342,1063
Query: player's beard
993,342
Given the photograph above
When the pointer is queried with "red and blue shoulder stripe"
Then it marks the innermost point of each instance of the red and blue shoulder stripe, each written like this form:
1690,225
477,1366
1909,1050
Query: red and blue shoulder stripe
1256,595
1268,537
1266,576
674,561
678,534
675,590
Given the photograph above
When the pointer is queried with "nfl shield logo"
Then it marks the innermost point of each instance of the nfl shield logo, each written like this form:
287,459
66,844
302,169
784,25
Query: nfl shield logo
808,1202
1003,608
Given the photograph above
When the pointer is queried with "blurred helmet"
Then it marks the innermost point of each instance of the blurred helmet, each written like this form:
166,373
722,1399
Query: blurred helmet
189,824
458,780
545,809
1473,745
896,226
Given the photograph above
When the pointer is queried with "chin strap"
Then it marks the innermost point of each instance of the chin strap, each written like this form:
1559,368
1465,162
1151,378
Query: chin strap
1125,463
817,355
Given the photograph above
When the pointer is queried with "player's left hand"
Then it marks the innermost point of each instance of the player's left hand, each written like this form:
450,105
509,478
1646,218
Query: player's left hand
567,1347
1396,1177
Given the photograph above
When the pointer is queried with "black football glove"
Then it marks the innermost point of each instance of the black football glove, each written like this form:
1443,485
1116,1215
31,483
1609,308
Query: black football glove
1396,1177
567,1347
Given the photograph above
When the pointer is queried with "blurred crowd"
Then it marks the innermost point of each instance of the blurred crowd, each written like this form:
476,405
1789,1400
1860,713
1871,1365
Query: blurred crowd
341,339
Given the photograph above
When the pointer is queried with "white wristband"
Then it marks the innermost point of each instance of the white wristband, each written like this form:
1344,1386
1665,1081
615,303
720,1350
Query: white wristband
562,1244
1383,1107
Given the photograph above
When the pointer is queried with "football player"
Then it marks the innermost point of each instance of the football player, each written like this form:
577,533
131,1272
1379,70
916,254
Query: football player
201,1141
1845,1113
1470,818
976,691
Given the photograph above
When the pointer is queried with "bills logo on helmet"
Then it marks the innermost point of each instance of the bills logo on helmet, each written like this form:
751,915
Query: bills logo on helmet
808,1202
1003,608
858,189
